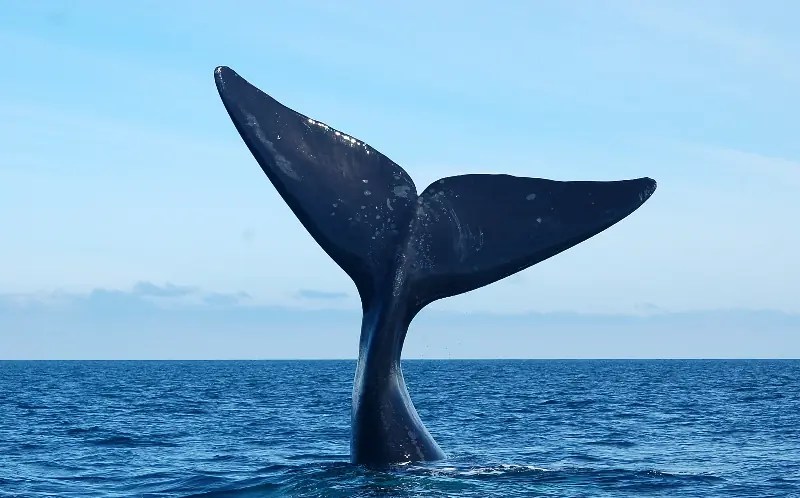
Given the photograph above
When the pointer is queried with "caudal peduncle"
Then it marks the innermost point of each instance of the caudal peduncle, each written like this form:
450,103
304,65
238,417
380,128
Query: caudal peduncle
386,427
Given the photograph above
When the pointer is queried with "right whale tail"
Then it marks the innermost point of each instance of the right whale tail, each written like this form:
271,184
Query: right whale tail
405,250
461,233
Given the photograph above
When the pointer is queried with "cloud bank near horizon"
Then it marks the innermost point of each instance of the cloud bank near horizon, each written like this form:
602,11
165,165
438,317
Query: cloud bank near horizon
151,321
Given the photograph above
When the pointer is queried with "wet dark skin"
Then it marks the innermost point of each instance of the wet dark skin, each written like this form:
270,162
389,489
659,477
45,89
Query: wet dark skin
405,250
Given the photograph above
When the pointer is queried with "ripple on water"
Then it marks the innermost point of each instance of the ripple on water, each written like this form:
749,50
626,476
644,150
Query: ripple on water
511,428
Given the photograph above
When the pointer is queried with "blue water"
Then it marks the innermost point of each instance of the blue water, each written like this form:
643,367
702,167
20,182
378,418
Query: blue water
510,428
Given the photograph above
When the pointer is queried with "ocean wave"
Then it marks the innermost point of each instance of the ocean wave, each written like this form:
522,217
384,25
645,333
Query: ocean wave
694,434
120,441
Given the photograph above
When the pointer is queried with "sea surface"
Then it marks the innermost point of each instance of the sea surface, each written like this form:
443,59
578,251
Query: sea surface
510,428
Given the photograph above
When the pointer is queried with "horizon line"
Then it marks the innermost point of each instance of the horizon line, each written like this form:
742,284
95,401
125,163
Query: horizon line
716,358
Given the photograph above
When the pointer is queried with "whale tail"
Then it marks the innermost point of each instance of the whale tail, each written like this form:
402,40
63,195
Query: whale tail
460,233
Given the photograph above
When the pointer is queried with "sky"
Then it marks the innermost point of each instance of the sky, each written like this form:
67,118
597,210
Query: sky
136,224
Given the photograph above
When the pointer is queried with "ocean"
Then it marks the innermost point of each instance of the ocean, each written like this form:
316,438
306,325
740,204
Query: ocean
598,428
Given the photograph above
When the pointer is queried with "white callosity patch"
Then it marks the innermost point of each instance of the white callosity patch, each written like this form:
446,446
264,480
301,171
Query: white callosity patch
467,239
419,244
531,197
401,190
280,161
647,192
464,235
400,274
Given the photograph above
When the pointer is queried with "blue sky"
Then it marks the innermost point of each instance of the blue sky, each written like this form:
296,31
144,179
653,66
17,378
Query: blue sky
121,170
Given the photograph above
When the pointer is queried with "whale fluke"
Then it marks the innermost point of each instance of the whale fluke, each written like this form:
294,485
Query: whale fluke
352,199
405,250
472,230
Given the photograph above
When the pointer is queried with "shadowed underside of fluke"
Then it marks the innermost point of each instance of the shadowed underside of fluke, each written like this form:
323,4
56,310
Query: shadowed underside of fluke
405,250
